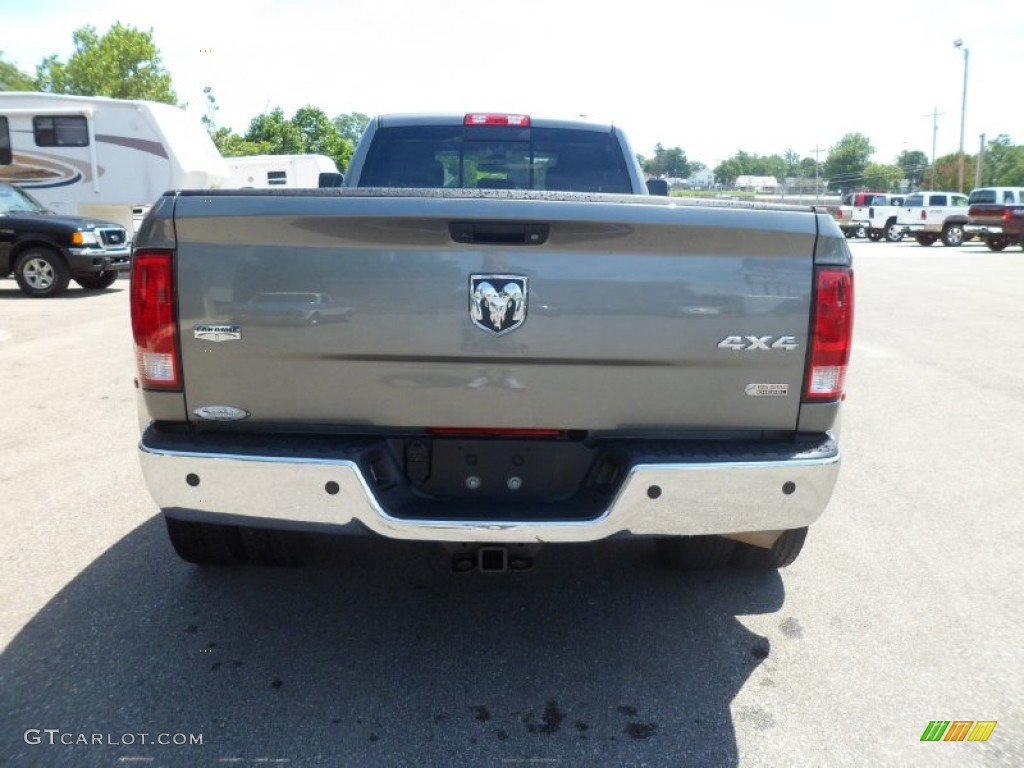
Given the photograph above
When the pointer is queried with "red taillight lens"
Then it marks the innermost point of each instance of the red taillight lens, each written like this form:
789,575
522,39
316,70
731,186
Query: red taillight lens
832,334
153,320
490,118
924,214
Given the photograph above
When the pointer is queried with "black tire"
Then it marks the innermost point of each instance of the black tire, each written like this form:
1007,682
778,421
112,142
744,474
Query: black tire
41,273
953,235
266,547
695,552
98,281
861,230
875,235
926,240
785,550
206,543
847,232
997,243
893,232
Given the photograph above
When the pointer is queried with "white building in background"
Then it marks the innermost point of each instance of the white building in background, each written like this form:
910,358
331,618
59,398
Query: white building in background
757,183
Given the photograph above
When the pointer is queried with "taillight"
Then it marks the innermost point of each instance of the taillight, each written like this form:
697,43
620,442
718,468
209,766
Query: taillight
924,214
153,320
490,118
831,334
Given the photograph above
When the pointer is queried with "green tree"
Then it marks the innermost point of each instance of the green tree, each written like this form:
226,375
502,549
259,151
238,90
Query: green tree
727,171
309,131
12,78
847,160
947,169
792,162
1004,163
123,64
914,164
882,178
321,136
667,162
281,136
351,126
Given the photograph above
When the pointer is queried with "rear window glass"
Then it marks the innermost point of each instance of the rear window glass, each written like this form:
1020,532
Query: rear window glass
914,201
489,157
983,196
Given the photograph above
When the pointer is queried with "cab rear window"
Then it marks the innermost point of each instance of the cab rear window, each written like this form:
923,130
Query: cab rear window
496,157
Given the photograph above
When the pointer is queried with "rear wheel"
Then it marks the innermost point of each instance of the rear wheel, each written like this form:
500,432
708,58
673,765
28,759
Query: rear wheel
782,553
875,235
953,235
926,239
98,281
893,232
206,543
861,230
695,552
41,273
997,243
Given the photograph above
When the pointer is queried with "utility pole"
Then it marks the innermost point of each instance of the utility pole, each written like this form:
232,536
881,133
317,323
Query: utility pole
935,133
958,43
980,163
817,188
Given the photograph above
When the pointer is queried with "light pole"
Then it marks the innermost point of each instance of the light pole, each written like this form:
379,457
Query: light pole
959,43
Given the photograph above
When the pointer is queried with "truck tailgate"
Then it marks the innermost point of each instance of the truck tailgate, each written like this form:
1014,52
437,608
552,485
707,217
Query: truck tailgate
356,309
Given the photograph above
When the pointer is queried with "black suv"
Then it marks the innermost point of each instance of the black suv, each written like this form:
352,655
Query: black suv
45,250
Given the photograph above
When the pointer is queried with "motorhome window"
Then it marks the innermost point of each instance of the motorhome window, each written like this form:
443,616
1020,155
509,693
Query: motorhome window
277,178
5,142
62,131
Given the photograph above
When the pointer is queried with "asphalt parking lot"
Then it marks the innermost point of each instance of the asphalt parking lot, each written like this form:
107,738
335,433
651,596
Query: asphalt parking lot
904,608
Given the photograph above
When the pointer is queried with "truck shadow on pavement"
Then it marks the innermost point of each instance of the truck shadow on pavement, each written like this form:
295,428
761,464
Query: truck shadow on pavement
376,653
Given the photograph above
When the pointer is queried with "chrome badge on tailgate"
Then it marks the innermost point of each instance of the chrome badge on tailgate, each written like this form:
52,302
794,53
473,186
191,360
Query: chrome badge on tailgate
218,332
497,303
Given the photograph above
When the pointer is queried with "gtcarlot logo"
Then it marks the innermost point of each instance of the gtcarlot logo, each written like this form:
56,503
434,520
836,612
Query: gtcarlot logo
55,737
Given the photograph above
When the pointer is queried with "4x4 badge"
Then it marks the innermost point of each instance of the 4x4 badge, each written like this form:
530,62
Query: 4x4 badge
497,303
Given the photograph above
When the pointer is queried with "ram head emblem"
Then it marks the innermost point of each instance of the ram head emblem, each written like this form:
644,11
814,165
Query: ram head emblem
497,303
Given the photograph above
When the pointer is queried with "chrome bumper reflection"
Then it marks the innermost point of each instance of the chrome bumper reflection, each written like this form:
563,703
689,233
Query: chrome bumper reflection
655,499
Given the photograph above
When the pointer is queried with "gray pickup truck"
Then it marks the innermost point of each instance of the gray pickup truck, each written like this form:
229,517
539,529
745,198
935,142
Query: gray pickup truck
525,347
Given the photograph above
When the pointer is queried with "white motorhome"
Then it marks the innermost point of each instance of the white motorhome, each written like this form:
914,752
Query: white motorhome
100,157
273,171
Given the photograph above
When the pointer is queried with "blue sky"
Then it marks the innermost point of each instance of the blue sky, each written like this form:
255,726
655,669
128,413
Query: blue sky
710,77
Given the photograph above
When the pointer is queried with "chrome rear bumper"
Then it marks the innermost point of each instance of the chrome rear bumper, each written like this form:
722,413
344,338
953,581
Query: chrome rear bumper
664,492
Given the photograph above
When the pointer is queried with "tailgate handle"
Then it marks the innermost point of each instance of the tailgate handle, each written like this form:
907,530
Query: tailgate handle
499,232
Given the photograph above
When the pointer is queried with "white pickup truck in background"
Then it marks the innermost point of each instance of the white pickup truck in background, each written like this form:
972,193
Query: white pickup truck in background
878,218
929,216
